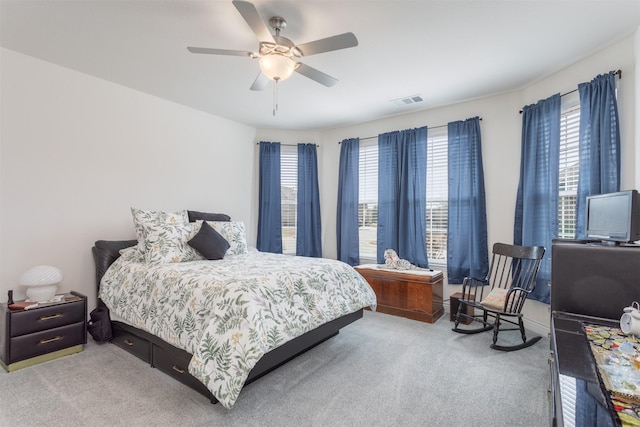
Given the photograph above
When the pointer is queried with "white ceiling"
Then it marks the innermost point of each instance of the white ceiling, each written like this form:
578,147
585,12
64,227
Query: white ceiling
446,51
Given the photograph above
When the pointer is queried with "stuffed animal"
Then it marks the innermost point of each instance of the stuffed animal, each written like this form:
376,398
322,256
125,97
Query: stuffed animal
393,261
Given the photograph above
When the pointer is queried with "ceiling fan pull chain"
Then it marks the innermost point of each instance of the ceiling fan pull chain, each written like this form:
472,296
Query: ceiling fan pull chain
275,97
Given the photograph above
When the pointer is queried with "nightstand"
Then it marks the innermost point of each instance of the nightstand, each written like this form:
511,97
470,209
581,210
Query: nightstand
42,333
454,303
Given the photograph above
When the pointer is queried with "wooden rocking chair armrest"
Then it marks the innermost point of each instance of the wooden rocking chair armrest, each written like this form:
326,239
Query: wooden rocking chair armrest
468,286
512,294
519,289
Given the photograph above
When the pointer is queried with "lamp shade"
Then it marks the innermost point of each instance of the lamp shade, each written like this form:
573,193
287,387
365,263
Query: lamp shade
277,67
41,282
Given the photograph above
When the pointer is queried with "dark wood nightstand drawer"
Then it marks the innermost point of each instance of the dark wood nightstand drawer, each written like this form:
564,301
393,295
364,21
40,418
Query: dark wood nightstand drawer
176,364
50,340
138,346
42,319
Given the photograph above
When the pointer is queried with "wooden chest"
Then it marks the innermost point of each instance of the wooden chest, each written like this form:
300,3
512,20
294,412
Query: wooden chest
414,294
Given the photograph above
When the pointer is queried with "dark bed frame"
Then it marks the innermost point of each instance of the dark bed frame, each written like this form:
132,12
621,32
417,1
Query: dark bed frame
174,361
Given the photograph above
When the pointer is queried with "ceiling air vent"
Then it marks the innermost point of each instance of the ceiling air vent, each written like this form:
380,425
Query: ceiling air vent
413,99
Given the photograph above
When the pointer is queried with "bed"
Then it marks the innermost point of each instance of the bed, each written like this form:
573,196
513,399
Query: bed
218,325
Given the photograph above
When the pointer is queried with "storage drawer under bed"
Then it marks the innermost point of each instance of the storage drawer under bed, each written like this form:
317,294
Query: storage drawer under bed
176,364
168,359
134,344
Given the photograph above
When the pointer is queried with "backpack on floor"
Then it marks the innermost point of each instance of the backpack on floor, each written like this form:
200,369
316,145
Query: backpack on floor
100,325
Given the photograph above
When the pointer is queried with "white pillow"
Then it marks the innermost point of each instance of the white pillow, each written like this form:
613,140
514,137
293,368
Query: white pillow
234,233
142,217
167,243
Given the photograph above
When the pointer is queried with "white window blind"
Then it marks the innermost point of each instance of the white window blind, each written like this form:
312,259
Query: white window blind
289,196
569,170
437,195
569,393
368,198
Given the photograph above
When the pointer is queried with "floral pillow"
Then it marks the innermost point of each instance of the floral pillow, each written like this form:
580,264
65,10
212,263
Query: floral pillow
131,254
142,218
167,243
234,233
495,299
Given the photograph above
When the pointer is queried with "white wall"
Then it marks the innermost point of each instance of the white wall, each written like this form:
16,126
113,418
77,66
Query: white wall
77,152
501,128
637,109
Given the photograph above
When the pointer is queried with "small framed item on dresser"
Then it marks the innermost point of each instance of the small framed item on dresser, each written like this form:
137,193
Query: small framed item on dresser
32,333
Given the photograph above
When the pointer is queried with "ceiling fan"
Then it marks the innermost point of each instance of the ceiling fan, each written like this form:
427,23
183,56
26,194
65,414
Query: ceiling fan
278,56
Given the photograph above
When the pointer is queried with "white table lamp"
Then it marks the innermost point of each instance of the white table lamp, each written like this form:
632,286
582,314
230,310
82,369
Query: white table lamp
41,282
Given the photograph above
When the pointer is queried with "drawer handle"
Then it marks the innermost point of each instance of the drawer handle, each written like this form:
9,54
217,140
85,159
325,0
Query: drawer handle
178,370
54,316
47,341
127,342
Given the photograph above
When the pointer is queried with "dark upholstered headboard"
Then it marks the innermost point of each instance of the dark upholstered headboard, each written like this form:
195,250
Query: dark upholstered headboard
105,252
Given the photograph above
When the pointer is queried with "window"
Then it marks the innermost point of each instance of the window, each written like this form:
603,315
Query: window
436,207
437,195
368,198
569,169
289,196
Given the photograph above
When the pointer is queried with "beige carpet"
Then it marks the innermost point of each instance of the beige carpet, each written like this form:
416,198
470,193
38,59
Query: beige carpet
379,371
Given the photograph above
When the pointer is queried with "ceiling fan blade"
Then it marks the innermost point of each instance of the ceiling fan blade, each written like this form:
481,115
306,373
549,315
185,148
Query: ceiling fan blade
341,41
219,51
260,82
250,14
318,76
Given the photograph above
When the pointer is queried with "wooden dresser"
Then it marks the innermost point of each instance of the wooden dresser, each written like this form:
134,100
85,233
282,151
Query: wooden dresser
414,294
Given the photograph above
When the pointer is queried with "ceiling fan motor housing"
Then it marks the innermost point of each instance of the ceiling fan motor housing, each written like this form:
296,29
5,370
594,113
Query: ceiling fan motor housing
283,46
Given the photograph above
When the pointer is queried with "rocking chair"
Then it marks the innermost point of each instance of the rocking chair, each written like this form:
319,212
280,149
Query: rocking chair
499,297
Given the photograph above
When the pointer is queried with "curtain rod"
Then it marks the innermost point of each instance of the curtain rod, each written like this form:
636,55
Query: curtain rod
618,72
428,127
290,145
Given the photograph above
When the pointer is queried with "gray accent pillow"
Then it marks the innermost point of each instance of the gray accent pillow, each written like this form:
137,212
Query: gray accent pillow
209,243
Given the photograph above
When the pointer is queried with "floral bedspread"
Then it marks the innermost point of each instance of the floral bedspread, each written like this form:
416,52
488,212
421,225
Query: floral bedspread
229,313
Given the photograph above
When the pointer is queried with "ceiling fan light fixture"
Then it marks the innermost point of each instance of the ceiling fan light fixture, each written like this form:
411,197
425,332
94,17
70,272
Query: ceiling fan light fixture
277,67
